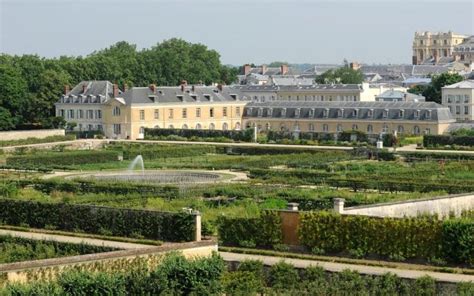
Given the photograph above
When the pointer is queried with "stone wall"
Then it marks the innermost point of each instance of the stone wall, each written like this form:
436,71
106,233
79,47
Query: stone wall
40,134
441,206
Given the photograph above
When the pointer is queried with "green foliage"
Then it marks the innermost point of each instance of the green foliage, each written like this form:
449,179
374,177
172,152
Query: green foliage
15,249
241,283
394,238
154,151
463,132
61,159
263,231
282,276
199,135
432,92
36,140
442,140
343,75
85,283
93,219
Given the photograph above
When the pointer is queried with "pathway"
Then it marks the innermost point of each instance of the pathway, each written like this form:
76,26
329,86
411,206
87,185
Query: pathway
363,269
73,239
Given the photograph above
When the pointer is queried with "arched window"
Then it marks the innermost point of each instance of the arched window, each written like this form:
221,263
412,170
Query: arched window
185,126
339,128
370,128
198,126
142,130
400,129
225,126
355,127
237,126
297,127
170,126
325,128
212,126
268,126
385,128
282,128
116,111
311,127
156,126
416,130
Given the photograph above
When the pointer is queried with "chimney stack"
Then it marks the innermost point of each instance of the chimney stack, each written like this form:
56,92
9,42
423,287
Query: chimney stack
84,87
115,90
283,69
66,89
219,87
264,69
193,88
152,88
125,87
184,83
247,69
354,66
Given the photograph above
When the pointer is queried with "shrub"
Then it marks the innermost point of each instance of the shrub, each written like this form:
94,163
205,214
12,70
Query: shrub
236,135
282,276
86,283
458,240
94,219
241,283
424,286
58,159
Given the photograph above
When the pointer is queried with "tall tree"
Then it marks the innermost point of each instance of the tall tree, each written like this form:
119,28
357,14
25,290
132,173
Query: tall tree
343,75
432,91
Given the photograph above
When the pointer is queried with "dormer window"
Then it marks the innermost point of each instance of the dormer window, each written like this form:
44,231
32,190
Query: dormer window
428,114
355,113
401,113
417,114
385,113
283,112
234,97
260,112
340,113
297,112
116,111
370,113
326,113
311,113
207,97
249,111
270,112
180,97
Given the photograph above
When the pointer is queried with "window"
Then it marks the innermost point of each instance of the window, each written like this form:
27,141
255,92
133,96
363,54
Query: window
90,114
142,130
466,98
116,111
225,126
237,111
142,114
311,127
171,126
157,114
198,126
224,111
90,127
400,129
70,114
184,113
458,99
326,113
80,114
385,128
458,110
212,126
428,114
401,113
427,131
269,112
325,128
297,112
416,130
449,98
260,112
355,127
340,113
80,126
283,112
385,113
466,110
117,129
370,128
339,128
61,112
311,113
211,112
370,113
355,112
237,126
170,113
417,114
98,114
185,126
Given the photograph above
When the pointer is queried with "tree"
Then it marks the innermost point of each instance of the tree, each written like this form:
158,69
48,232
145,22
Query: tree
6,120
343,75
432,92
13,94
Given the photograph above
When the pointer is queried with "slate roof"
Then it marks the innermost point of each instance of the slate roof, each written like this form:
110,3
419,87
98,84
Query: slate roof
174,94
299,88
462,84
399,95
93,88
379,109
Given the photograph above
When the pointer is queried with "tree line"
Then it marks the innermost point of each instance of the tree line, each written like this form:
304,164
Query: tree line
30,84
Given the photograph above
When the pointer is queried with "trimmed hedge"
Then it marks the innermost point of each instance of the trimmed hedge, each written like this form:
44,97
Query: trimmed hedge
154,152
443,140
62,158
263,231
155,225
424,238
235,135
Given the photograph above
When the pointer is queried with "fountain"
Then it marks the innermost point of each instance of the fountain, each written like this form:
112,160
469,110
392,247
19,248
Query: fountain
137,160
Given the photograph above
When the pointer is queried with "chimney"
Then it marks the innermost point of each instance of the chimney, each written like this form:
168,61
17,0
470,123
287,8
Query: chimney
125,87
283,69
115,90
354,66
193,88
184,83
152,88
264,69
247,69
66,89
219,87
84,87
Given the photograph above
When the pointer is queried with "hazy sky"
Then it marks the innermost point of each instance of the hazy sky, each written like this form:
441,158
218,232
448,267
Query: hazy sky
241,31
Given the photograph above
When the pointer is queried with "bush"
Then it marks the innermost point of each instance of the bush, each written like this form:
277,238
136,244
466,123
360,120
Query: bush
235,135
241,283
94,219
283,276
443,140
86,283
264,231
60,159
458,240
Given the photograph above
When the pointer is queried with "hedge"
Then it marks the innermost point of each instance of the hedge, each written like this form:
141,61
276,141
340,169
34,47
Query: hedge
443,140
424,238
235,135
53,159
155,225
412,156
155,152
29,141
263,231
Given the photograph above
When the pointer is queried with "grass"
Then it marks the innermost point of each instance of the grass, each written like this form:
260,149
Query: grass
29,141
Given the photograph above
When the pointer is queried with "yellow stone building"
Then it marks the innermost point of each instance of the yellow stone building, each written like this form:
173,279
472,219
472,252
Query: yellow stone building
434,47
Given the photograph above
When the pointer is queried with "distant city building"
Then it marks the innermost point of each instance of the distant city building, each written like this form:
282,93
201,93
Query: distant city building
100,105
458,98
372,118
464,52
435,48
399,96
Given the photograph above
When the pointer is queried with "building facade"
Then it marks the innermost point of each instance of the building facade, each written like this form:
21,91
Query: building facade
126,114
372,118
458,98
433,47
464,52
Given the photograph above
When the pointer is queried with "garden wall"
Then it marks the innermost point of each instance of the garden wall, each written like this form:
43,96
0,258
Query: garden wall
40,134
441,206
49,269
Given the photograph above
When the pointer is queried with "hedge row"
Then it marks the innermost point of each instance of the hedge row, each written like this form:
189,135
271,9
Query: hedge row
149,152
390,183
99,220
29,141
442,140
411,156
235,135
62,158
424,238
92,186
263,231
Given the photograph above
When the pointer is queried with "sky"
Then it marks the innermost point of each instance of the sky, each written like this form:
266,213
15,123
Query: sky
298,31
